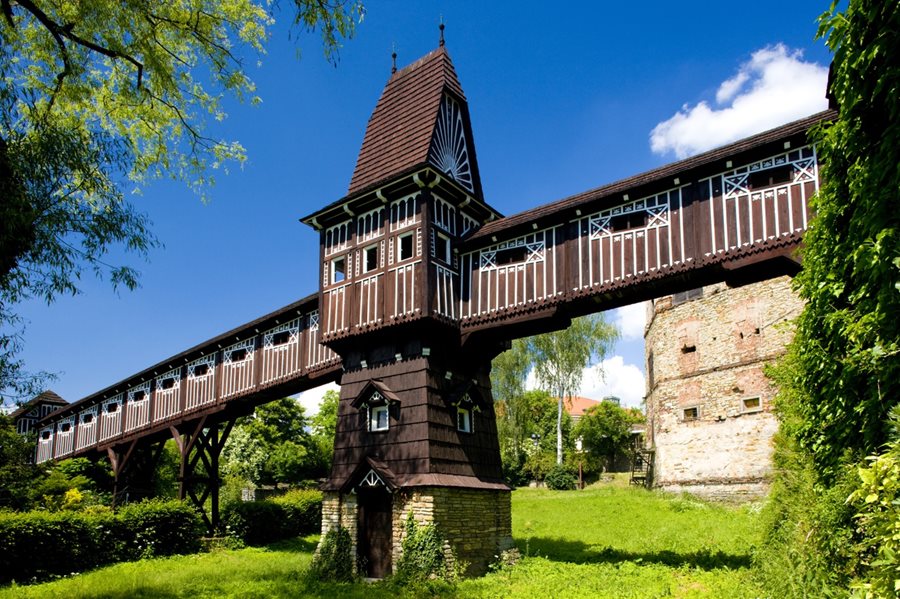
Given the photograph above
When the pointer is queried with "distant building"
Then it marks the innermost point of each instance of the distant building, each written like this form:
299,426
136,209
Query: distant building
26,417
576,406
710,419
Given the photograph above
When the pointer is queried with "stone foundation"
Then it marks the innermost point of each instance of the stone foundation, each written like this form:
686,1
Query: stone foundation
476,523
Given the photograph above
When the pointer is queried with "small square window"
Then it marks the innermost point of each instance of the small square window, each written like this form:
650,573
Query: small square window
442,248
691,414
371,259
338,270
464,420
405,246
751,404
378,418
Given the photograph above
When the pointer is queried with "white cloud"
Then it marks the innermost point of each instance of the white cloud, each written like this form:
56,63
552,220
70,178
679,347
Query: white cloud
774,87
625,381
631,320
311,399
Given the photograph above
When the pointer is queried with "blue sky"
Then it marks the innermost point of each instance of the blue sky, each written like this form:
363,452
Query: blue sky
563,97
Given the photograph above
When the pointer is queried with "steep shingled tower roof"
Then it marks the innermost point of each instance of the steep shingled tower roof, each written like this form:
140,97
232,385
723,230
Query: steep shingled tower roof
411,125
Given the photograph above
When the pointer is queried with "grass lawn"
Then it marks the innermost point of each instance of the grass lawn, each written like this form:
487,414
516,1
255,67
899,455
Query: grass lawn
606,541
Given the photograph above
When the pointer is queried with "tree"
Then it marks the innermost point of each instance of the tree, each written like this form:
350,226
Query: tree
559,358
324,425
508,372
840,378
98,97
847,345
272,445
605,430
17,472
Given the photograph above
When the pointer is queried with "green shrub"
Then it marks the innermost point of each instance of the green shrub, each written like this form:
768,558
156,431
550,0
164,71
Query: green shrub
877,501
302,510
254,522
262,522
560,479
39,545
333,560
158,528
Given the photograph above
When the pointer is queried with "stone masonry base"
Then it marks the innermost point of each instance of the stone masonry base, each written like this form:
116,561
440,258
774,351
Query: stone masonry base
476,523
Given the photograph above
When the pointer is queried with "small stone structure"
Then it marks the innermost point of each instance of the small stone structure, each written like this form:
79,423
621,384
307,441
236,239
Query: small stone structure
709,403
450,510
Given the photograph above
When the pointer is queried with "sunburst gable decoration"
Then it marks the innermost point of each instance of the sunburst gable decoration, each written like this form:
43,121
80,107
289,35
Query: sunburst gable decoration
449,151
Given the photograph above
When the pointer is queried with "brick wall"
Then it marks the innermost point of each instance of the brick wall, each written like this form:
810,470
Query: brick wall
709,403
477,524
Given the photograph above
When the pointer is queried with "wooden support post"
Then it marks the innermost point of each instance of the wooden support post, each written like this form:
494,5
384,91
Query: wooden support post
199,470
118,460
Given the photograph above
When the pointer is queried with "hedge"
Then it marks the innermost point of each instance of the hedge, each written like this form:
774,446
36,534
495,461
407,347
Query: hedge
39,545
261,522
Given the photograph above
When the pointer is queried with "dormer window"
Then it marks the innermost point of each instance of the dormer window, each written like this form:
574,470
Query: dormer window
463,420
467,401
378,418
376,399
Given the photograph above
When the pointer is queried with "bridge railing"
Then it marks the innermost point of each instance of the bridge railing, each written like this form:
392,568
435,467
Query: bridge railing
284,352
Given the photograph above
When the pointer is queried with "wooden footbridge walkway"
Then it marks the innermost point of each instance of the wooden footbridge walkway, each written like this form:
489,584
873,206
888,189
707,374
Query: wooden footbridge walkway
414,247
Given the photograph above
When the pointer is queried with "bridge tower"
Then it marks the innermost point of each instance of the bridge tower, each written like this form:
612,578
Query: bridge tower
416,430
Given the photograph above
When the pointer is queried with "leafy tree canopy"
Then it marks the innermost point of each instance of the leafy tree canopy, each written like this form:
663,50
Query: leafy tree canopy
101,96
846,354
559,359
605,430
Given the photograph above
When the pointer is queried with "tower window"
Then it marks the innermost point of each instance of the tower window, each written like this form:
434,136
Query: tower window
371,259
405,246
690,414
338,270
463,420
442,248
378,418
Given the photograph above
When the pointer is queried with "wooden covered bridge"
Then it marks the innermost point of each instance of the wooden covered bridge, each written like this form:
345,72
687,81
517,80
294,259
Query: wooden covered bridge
422,283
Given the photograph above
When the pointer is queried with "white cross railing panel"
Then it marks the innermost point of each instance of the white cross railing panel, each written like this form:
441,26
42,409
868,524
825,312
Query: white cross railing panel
237,368
200,384
87,429
510,274
281,351
316,353
45,444
111,412
64,444
167,402
137,407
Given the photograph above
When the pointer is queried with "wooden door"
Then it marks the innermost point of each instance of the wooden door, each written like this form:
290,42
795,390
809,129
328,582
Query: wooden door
375,530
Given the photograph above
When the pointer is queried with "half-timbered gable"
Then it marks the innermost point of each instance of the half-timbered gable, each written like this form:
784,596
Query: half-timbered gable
26,417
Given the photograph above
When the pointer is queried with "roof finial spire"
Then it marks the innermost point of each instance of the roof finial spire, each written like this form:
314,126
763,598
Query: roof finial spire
393,58
441,27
